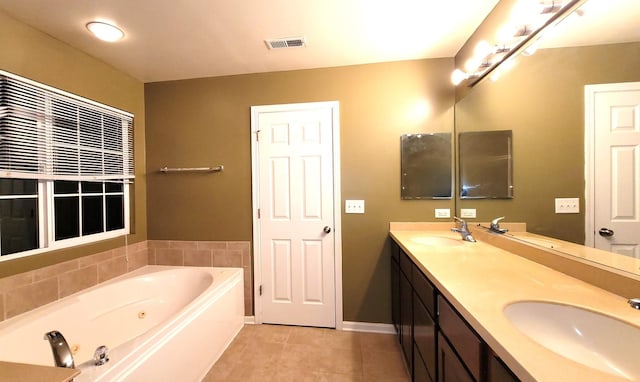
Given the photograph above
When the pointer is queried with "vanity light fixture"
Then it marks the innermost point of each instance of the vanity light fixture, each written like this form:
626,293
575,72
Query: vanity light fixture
521,33
105,31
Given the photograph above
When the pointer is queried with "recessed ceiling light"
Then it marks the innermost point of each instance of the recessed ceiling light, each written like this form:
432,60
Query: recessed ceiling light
105,31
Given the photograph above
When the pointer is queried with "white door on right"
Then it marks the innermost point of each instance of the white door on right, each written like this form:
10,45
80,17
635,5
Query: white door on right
615,109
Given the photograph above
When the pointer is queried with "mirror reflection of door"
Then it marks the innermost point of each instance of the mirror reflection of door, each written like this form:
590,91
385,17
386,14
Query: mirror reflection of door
613,123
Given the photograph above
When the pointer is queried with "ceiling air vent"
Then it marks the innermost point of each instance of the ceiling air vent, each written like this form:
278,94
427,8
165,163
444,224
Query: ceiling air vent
291,42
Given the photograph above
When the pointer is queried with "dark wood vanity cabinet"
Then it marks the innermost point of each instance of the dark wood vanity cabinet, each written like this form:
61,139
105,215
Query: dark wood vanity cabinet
437,343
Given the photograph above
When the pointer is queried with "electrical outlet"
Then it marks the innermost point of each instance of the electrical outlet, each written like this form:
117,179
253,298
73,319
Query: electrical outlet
442,213
468,213
567,205
354,206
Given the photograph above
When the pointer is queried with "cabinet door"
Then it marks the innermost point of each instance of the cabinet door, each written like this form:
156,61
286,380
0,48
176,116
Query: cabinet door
420,373
461,337
450,368
424,337
395,294
406,319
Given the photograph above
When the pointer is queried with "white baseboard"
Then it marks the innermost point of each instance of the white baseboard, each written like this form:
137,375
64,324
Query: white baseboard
368,327
249,320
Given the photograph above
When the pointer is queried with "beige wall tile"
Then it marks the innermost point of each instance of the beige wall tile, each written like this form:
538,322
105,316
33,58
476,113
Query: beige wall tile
158,243
137,259
112,268
77,280
169,256
94,259
151,256
212,245
227,258
183,244
198,257
15,281
30,296
54,270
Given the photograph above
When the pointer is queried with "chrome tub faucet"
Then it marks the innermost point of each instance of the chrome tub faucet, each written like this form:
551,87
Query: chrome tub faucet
62,355
463,230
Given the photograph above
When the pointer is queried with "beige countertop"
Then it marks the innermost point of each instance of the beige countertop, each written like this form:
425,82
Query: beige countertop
480,280
19,372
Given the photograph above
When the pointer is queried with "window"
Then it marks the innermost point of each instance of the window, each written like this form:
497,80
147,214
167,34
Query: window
65,168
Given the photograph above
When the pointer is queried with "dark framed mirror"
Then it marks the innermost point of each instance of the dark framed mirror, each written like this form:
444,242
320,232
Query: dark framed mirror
426,166
486,164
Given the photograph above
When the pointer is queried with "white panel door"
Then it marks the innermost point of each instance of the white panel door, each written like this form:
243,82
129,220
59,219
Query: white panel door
616,117
296,202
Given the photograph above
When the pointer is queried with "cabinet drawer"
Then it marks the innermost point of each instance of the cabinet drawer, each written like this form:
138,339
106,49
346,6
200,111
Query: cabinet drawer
424,338
462,338
406,264
498,372
425,290
395,251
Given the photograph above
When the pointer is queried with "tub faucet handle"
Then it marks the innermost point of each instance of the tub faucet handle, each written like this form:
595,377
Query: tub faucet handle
101,355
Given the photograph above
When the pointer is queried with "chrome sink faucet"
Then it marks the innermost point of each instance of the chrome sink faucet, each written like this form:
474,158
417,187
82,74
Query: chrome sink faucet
62,355
634,303
495,226
463,230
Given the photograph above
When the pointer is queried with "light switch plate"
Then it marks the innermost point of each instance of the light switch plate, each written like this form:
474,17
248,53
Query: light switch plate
567,205
467,213
354,206
442,213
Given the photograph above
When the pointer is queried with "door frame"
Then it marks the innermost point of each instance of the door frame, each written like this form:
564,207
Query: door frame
590,92
337,201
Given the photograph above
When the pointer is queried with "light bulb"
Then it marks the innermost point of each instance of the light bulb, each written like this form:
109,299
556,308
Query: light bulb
458,76
472,64
482,49
105,31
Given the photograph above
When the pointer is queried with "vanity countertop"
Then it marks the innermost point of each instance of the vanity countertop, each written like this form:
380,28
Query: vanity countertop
20,372
480,280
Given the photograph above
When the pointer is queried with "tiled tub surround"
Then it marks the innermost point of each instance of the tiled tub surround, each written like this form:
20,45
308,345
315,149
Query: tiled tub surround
207,254
29,290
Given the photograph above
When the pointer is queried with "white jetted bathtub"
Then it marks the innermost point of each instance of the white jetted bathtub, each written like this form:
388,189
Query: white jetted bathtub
159,323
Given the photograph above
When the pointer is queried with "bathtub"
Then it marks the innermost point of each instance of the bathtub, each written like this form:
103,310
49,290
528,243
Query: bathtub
159,323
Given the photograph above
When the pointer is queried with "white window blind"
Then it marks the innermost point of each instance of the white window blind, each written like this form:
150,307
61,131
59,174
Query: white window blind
49,134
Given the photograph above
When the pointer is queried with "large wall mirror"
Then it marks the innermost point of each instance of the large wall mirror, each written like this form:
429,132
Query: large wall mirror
542,99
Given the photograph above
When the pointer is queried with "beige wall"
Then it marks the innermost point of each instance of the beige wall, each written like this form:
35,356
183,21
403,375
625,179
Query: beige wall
204,122
542,101
37,56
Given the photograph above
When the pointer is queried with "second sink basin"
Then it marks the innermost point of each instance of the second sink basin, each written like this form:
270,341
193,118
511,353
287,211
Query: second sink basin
595,340
437,241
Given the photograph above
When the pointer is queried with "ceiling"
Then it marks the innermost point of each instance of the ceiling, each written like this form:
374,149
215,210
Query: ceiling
204,38
169,39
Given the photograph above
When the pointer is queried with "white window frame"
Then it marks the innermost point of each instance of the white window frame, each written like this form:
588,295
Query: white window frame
45,188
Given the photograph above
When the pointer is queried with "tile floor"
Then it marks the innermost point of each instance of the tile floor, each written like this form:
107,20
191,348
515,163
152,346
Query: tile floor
290,353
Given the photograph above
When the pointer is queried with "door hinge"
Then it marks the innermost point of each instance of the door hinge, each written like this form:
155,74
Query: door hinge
260,290
258,213
258,135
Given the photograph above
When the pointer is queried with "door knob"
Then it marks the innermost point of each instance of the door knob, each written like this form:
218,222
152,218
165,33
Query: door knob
605,232
327,229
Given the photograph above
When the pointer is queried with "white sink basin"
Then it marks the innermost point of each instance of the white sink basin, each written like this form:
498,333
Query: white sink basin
590,338
437,241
